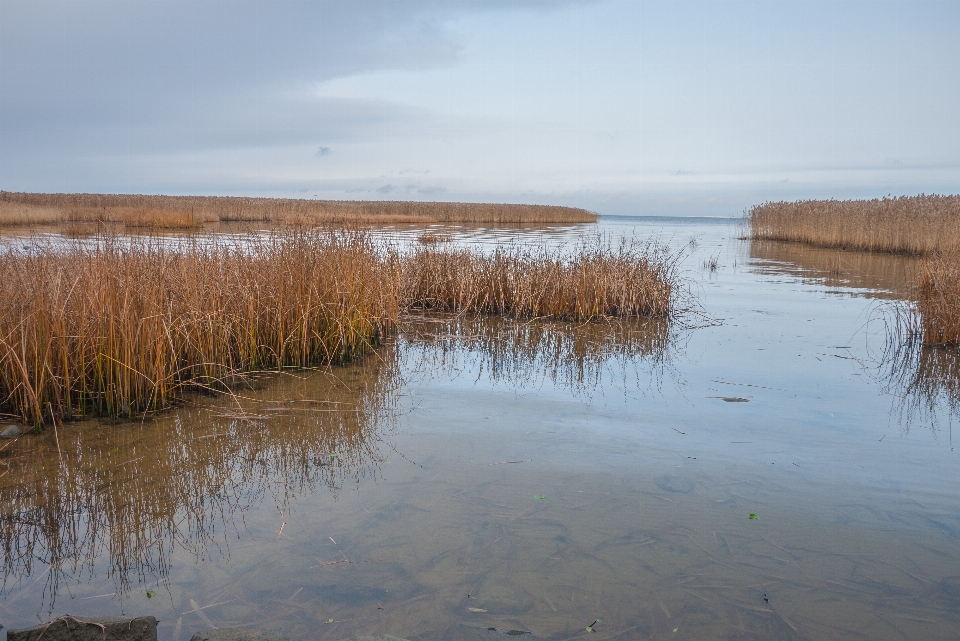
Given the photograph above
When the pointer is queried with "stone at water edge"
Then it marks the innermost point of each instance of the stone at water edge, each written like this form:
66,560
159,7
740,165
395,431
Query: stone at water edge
12,431
69,628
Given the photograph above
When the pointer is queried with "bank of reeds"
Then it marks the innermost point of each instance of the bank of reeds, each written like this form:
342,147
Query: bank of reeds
938,301
120,326
123,326
167,212
921,224
591,281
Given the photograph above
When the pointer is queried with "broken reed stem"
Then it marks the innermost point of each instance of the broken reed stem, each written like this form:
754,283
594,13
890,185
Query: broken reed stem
922,224
120,326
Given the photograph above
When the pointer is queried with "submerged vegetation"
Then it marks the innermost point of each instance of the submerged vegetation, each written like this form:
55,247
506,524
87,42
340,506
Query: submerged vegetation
908,224
122,326
188,212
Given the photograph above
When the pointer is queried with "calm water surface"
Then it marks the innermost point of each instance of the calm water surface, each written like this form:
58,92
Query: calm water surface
535,476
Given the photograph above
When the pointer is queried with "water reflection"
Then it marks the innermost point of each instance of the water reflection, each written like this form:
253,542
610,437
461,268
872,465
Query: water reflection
526,354
924,379
118,499
878,275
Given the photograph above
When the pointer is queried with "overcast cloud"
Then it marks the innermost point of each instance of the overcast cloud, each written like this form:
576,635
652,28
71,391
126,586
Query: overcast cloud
619,106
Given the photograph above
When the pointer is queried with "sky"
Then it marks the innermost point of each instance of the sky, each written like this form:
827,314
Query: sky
624,107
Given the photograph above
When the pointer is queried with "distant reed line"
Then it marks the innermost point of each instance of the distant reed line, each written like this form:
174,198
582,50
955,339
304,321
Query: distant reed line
906,224
188,212
118,327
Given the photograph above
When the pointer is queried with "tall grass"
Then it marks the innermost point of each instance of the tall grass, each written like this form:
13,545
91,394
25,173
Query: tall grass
169,211
908,224
119,326
938,301
592,281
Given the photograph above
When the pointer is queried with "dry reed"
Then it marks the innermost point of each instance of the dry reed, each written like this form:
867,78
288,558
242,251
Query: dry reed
118,326
590,282
189,211
938,302
913,225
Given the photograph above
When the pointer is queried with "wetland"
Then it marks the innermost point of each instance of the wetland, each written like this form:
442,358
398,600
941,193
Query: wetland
770,463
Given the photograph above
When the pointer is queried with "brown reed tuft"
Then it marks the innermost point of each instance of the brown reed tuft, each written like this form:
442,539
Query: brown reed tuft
120,326
939,299
592,281
908,224
116,326
169,212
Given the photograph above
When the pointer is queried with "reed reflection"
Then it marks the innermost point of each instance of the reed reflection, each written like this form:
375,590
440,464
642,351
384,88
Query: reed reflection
95,498
924,379
572,356
879,275
117,500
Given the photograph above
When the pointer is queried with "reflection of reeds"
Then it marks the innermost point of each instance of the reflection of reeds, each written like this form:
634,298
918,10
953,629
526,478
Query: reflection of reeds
939,299
130,498
914,225
924,377
122,326
167,212
571,356
879,275
588,282
432,238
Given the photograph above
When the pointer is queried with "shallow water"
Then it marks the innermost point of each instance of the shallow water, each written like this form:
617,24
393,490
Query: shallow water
535,476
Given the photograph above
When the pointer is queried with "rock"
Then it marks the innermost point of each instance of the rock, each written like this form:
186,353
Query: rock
376,637
474,632
70,628
12,431
236,634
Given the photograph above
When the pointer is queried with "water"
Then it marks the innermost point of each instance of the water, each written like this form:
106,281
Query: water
535,476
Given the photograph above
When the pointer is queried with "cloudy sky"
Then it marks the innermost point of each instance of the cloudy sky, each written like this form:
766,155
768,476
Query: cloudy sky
624,107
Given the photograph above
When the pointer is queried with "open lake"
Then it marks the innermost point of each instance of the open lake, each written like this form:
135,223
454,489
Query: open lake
767,466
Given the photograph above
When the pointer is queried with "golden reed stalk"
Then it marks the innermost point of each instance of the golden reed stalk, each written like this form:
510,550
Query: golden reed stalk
119,326
593,281
186,212
939,299
907,224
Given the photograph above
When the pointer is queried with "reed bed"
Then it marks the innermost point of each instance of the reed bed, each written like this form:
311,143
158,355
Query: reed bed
119,327
923,224
592,281
168,212
122,326
938,301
